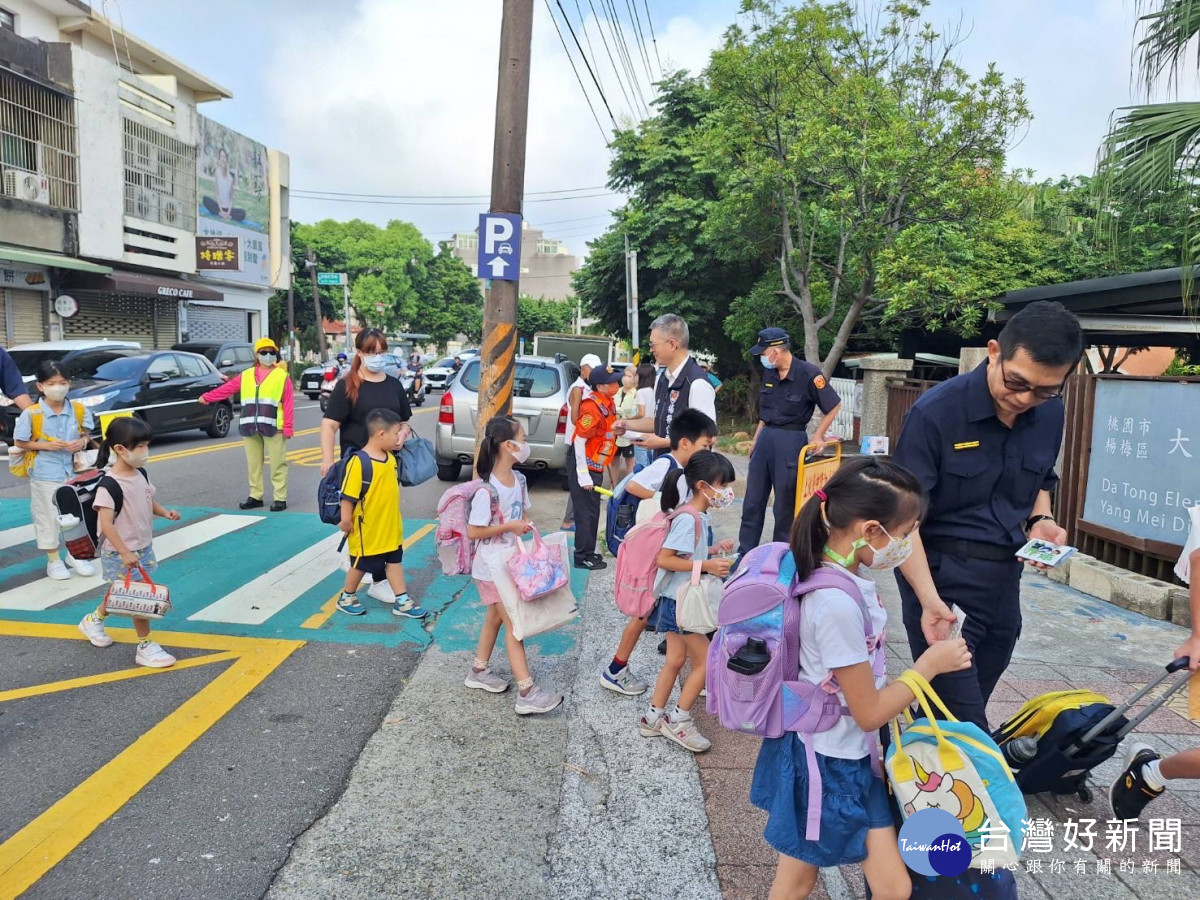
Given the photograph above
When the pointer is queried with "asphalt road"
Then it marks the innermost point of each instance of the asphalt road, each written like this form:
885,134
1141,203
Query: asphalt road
219,820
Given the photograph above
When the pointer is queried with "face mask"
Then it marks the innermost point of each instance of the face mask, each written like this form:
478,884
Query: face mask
56,392
522,452
722,497
894,553
267,359
766,361
137,458
376,362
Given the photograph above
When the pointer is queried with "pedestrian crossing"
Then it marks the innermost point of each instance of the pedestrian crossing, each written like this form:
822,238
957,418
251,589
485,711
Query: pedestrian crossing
240,574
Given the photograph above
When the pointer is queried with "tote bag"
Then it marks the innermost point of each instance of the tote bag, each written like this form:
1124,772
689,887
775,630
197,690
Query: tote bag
530,617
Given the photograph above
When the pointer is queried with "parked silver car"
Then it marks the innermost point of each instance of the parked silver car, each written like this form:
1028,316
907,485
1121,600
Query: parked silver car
539,403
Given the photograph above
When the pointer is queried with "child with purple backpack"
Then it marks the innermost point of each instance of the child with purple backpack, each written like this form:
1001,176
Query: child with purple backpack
860,521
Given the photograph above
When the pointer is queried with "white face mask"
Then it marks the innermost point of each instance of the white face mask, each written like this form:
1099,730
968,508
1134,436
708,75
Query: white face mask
267,359
137,458
56,392
376,362
894,554
522,452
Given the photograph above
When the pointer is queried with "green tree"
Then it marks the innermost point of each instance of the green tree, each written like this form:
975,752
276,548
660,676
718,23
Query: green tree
535,315
847,133
451,301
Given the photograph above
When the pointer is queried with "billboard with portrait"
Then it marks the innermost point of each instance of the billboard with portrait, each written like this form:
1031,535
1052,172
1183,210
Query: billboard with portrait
234,198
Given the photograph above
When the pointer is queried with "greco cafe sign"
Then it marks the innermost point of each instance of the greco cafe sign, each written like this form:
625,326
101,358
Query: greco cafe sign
180,293
1144,467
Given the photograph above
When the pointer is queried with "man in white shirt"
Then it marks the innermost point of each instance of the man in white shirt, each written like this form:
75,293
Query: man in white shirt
682,384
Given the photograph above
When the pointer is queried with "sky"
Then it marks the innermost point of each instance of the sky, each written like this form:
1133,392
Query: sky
397,97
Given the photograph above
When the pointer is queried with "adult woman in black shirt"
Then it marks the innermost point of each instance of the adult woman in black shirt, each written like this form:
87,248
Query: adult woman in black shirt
366,387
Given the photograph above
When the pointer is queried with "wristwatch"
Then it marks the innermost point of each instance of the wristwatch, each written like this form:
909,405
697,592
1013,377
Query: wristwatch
1033,520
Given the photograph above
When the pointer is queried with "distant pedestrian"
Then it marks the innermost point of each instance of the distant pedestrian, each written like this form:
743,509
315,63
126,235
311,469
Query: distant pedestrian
792,389
646,374
12,385
593,449
52,431
680,385
709,477
575,393
626,409
266,423
503,446
128,545
716,382
372,519
862,520
366,387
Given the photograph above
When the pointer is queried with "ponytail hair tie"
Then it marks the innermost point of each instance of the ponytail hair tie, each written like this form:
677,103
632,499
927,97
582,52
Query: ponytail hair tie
820,495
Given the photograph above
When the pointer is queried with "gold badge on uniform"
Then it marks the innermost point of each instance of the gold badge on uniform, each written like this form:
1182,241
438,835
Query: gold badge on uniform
967,445
819,381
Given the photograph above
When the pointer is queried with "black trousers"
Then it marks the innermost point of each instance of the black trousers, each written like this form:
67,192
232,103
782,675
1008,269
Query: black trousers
988,592
774,465
587,509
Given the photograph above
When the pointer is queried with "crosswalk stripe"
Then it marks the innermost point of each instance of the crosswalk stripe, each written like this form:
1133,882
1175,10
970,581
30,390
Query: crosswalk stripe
11,537
46,592
255,602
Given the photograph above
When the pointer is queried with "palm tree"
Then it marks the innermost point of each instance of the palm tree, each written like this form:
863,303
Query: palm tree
1156,147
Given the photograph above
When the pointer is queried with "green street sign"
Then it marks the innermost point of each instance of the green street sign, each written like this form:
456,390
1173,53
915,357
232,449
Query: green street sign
332,278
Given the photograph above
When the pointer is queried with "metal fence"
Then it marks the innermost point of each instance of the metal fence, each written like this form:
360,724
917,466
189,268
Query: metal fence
845,425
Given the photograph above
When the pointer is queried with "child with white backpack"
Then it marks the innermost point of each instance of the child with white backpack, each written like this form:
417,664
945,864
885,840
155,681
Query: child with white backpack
860,521
499,515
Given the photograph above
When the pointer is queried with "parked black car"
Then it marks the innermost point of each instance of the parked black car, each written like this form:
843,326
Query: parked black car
230,357
164,386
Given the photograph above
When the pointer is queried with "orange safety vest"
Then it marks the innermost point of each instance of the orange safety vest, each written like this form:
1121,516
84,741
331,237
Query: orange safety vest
596,421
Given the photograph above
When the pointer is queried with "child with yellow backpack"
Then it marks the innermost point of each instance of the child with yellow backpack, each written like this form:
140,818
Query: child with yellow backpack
48,435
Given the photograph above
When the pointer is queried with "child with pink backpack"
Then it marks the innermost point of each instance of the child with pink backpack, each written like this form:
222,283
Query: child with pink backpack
499,509
859,523
708,477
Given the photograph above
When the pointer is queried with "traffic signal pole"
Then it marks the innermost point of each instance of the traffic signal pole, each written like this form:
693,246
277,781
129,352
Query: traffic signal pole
508,187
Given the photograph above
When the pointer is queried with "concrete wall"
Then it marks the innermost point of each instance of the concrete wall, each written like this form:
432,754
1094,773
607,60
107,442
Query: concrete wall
33,21
101,153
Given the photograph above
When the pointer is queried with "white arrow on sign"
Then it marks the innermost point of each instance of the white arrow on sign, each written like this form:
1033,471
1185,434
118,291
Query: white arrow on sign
498,266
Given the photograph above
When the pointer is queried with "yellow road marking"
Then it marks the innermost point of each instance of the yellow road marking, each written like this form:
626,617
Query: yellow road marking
43,843
108,677
196,451
329,607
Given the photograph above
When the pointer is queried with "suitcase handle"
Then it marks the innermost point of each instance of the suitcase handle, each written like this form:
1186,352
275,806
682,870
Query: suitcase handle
1170,669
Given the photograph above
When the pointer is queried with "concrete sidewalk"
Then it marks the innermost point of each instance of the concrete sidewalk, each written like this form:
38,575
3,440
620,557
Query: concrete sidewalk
457,797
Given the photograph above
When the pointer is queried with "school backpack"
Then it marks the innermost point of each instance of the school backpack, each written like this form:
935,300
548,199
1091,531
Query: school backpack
329,490
455,549
637,562
622,508
20,462
76,498
955,766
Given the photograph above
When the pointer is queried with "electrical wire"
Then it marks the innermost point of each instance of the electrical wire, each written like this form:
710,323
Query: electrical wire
653,38
616,71
588,65
641,38
618,31
450,203
594,187
571,60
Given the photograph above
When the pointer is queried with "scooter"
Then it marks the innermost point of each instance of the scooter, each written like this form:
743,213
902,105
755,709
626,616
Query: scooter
414,384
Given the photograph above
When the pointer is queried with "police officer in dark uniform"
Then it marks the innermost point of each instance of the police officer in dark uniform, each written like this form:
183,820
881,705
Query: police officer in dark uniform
792,389
984,445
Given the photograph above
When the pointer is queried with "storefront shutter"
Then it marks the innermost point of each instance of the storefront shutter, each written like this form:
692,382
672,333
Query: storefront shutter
115,316
212,323
25,316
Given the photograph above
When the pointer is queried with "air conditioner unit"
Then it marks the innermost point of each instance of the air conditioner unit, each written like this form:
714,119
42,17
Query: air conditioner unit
27,186
171,212
145,204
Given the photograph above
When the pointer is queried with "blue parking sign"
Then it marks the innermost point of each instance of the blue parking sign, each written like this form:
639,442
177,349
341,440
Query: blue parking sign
499,247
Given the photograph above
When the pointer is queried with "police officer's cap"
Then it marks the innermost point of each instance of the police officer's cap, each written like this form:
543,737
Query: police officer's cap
770,337
601,375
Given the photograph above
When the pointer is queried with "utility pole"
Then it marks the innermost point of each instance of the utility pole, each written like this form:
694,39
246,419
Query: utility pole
631,293
346,311
312,271
508,188
291,322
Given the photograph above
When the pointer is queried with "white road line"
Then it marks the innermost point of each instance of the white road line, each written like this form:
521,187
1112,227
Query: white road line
11,537
46,592
255,602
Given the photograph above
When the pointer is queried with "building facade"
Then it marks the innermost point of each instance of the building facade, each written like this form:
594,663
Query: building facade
124,212
546,264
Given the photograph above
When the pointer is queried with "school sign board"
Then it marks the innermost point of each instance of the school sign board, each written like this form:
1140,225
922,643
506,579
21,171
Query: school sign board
1144,470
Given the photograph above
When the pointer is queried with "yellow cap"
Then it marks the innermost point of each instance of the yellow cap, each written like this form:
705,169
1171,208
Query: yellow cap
265,343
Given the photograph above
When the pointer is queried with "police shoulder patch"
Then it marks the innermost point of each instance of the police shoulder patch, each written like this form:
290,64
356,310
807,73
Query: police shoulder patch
585,421
819,381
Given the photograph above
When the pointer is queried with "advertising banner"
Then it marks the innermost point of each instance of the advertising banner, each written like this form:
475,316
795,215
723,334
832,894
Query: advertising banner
234,199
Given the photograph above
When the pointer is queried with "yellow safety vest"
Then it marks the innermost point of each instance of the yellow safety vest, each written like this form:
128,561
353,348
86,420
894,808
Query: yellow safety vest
262,404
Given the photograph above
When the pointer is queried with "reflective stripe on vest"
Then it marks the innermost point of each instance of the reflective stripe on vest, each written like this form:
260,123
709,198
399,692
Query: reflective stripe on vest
262,404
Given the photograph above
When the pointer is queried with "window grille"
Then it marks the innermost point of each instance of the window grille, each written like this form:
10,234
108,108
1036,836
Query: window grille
39,150
160,177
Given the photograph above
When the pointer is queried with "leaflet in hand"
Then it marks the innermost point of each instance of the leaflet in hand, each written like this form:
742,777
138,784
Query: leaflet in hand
959,621
1044,552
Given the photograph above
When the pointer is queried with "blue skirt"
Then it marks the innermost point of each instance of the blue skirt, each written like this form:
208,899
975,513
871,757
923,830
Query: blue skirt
853,801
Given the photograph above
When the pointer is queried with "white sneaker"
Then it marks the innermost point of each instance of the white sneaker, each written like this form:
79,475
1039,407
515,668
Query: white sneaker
58,570
93,630
84,567
382,591
685,734
154,656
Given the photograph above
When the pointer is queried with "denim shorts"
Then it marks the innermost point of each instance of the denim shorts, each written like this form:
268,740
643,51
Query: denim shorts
662,617
853,801
113,569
